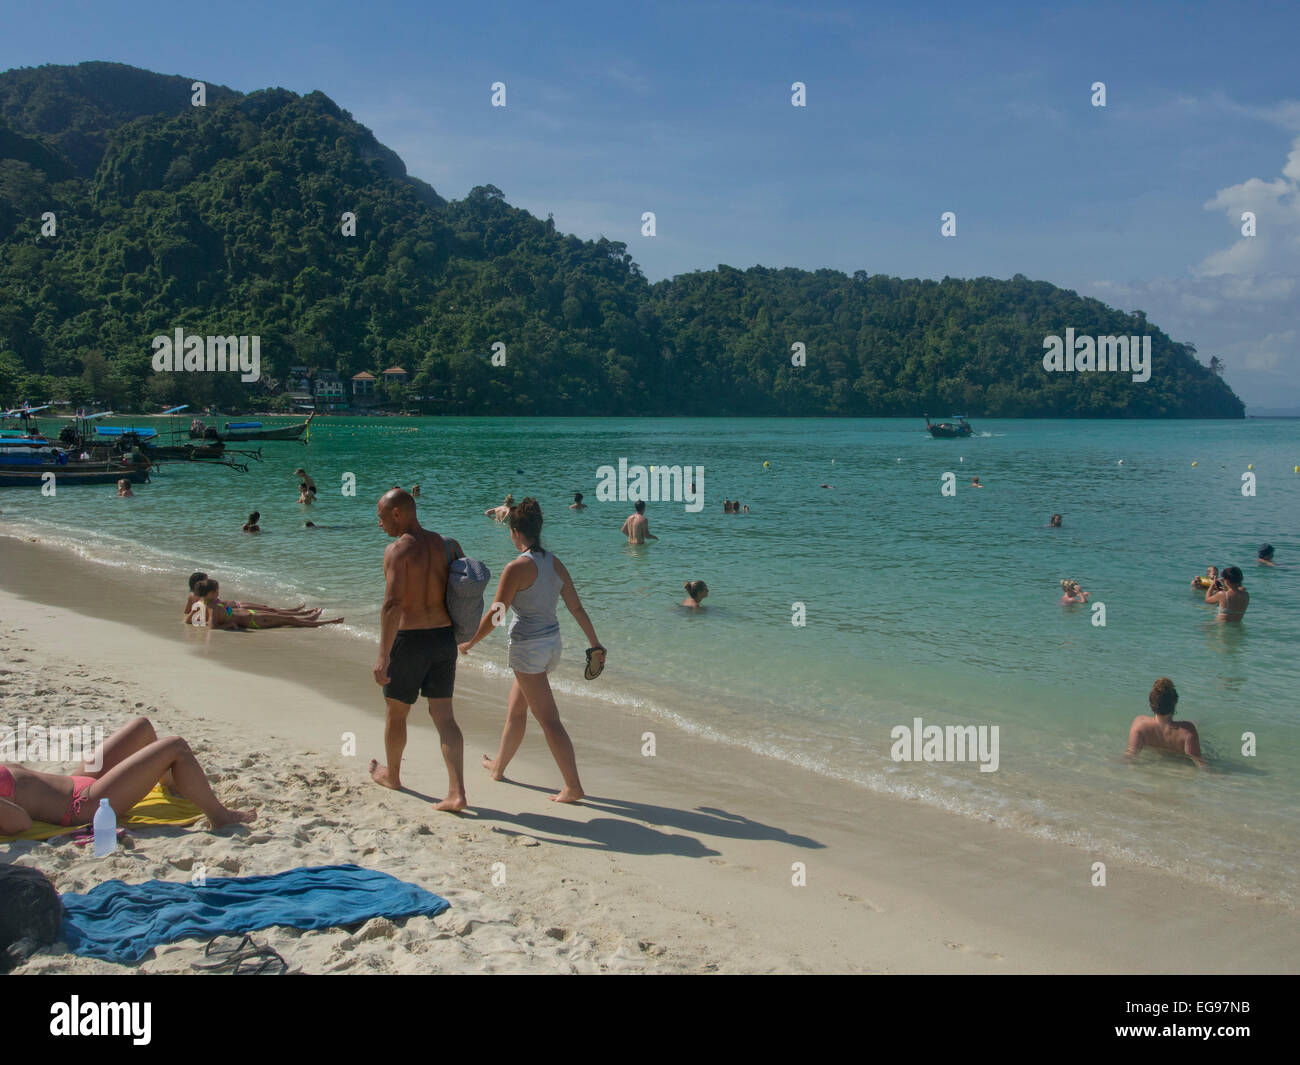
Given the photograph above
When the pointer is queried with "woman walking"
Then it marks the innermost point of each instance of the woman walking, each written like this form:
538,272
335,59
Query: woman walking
531,586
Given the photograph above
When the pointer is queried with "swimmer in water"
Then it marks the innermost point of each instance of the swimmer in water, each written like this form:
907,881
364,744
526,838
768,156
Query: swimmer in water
502,512
637,526
1161,732
695,592
577,503
1265,557
124,489
975,483
1232,598
415,491
1072,592
252,524
1211,575
1055,523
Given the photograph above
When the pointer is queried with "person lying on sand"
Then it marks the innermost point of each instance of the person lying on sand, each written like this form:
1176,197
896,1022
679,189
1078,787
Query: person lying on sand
301,610
1161,732
131,762
224,616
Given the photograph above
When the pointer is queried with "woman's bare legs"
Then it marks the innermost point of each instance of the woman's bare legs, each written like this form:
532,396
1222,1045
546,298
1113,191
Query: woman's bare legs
134,777
134,736
541,701
513,733
285,621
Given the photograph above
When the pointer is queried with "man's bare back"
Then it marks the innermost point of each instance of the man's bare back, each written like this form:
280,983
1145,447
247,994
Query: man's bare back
415,565
417,644
637,528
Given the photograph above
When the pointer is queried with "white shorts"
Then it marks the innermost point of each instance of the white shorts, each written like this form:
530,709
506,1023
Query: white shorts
534,656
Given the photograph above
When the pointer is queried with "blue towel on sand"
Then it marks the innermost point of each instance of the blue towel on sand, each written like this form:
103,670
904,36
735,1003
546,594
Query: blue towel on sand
123,922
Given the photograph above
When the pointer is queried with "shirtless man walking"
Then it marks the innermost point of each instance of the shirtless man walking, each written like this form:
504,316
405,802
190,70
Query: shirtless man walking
637,526
1161,731
417,645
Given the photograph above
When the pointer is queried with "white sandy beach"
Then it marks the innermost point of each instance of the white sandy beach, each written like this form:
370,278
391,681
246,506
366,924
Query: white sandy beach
677,863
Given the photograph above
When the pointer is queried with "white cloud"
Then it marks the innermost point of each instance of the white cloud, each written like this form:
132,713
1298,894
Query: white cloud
1275,247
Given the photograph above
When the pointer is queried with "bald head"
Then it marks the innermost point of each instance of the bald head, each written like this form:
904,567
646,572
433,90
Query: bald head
398,502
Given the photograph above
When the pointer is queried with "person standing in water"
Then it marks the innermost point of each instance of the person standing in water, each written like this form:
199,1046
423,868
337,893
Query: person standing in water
1162,732
503,511
1072,593
577,503
417,644
531,586
1232,598
637,526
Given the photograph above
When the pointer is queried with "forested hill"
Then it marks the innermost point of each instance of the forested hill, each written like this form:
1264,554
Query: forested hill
226,219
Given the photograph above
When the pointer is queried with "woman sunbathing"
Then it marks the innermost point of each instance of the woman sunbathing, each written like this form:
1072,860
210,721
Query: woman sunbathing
190,614
131,762
224,616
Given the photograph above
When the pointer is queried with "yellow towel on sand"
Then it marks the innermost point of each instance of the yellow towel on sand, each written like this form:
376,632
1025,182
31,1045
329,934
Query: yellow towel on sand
156,808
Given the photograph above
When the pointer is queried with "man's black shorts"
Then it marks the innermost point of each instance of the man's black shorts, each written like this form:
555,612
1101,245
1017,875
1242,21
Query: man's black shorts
423,662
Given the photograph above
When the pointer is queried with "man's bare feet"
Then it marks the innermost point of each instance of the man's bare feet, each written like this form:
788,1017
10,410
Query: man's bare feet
452,803
490,764
380,775
567,794
232,817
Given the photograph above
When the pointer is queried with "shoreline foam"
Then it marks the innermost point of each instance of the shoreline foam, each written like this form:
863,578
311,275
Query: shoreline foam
1039,821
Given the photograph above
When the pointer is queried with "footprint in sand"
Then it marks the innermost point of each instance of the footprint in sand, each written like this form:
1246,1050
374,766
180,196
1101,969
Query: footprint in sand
967,950
865,902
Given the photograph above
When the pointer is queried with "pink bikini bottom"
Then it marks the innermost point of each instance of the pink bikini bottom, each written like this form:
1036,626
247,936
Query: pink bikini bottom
80,785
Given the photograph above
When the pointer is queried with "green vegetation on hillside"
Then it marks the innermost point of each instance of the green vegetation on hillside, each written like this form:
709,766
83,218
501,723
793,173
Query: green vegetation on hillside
226,219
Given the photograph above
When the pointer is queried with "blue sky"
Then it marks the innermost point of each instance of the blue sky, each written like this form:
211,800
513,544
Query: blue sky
913,109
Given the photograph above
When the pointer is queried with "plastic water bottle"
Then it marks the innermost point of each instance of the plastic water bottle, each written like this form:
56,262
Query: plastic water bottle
105,830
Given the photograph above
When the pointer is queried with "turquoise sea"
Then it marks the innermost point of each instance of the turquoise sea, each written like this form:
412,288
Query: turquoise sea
917,604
